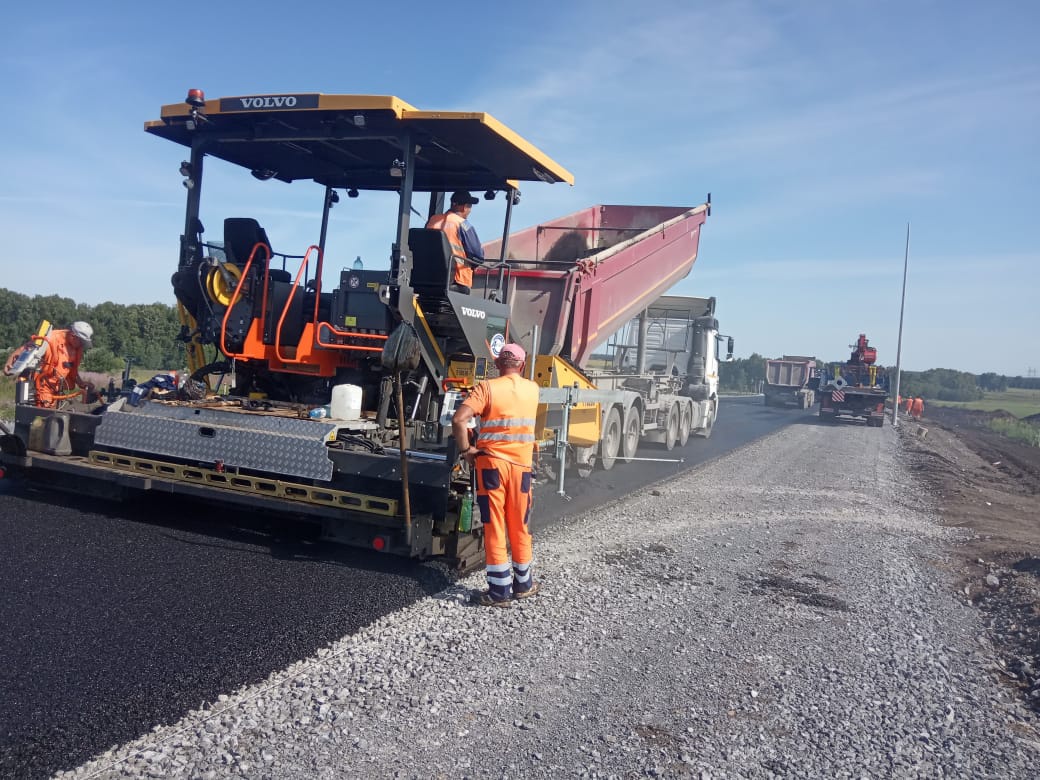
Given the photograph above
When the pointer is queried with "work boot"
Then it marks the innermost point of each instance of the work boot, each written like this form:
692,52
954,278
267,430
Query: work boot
523,594
483,599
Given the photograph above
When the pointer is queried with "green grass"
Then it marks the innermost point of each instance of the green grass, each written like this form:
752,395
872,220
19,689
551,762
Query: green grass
1017,401
6,397
1017,430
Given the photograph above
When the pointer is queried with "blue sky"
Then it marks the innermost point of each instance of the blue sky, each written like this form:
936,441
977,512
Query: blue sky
820,128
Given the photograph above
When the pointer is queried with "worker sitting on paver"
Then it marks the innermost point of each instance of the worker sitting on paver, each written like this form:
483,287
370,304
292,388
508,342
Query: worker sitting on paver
502,460
57,376
465,246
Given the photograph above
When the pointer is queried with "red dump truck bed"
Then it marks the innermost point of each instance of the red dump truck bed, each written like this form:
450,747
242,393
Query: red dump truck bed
579,278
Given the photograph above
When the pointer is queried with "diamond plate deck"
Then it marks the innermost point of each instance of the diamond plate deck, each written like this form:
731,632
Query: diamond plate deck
276,445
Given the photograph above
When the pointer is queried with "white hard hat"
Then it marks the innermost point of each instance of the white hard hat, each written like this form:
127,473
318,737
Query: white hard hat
84,332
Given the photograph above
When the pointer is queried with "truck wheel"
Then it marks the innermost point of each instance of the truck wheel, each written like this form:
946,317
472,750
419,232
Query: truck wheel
633,430
583,461
685,424
671,432
611,442
709,425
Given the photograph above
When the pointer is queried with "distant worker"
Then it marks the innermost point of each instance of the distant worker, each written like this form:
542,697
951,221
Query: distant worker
917,408
462,238
58,373
502,460
908,404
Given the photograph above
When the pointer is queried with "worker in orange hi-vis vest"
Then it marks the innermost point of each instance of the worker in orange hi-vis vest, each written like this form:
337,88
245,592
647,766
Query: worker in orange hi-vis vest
462,238
917,408
908,405
502,460
57,376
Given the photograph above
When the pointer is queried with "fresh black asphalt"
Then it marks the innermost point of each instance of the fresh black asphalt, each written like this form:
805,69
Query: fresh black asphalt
117,618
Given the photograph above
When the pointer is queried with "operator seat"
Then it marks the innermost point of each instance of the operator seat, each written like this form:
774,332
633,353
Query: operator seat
241,234
431,261
432,273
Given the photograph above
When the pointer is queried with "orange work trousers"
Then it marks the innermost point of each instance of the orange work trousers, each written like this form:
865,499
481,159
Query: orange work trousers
504,498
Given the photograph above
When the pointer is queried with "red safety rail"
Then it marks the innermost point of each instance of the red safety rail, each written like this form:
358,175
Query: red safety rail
242,281
580,278
288,304
326,327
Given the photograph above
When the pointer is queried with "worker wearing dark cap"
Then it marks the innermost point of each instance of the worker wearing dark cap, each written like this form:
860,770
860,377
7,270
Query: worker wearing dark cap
502,460
465,246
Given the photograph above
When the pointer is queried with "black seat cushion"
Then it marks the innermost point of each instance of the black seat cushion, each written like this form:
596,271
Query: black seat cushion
431,259
241,234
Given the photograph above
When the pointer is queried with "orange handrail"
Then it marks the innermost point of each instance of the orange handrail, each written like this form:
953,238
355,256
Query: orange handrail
288,303
461,381
347,334
238,289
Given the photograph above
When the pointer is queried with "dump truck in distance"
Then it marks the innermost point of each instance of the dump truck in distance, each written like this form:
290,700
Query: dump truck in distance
788,381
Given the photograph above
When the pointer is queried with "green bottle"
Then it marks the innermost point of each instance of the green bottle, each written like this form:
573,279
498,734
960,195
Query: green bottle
466,511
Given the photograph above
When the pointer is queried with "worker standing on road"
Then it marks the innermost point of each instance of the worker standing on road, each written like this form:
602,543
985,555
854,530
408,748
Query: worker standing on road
502,460
58,373
908,405
917,408
465,246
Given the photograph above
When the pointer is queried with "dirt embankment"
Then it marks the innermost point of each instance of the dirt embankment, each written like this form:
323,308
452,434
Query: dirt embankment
989,484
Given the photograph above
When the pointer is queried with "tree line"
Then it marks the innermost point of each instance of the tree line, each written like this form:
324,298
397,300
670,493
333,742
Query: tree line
148,334
145,332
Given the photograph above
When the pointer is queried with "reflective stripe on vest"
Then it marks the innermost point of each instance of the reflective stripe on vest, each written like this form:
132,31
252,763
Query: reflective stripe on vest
449,224
508,429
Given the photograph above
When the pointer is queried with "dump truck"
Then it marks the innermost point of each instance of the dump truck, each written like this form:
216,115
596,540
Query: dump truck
326,417
855,390
787,382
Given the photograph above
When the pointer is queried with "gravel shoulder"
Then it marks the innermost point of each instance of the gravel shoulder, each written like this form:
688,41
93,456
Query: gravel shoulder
990,486
791,609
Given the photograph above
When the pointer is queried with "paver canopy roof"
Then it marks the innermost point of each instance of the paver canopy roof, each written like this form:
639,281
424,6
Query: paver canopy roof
349,141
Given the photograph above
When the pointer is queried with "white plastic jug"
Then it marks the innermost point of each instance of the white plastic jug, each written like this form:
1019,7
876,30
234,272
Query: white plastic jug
346,403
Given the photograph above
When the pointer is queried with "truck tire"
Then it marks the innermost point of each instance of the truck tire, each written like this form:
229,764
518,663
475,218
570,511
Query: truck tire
610,444
584,458
633,430
671,431
685,424
709,425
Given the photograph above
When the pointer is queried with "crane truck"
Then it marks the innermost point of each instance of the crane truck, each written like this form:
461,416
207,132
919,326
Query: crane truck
377,466
856,389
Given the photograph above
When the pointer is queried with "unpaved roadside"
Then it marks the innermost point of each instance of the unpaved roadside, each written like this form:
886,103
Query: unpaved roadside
783,611
989,486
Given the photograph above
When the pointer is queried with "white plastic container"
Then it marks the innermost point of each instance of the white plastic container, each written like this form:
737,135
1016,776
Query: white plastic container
346,403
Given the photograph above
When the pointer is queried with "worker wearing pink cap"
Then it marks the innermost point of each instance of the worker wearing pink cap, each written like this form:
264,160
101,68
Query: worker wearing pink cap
502,459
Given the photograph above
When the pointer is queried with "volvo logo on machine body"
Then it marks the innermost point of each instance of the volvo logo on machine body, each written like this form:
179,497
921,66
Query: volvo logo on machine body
477,314
267,102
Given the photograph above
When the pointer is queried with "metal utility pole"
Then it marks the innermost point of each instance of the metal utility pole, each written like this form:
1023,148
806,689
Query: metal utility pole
899,342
